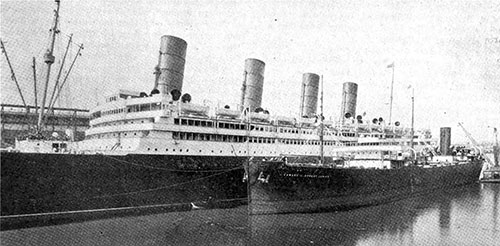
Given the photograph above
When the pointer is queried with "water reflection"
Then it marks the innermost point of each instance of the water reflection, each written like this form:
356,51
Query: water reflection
465,215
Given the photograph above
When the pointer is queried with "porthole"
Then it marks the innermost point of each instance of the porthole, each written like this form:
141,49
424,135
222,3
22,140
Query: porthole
180,150
200,150
148,148
156,149
187,150
166,149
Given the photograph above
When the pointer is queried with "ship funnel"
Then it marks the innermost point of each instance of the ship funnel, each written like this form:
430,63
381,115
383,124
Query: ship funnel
170,69
309,95
445,140
253,80
349,95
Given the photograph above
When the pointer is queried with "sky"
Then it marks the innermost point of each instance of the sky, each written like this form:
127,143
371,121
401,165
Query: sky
447,52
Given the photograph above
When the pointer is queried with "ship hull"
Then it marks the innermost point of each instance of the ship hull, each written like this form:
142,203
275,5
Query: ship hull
34,183
277,188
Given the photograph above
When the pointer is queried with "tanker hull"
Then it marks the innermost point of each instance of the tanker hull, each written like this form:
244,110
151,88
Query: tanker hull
278,188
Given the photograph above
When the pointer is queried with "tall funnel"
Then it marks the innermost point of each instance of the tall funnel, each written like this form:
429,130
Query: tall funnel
349,96
171,64
253,81
445,140
309,95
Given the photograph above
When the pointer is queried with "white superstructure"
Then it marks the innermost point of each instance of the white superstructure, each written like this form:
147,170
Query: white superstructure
156,124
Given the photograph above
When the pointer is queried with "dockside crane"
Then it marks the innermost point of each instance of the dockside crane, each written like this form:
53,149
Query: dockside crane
489,163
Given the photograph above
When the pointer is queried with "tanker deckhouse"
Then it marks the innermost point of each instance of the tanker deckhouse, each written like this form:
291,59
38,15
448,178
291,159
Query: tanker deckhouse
160,148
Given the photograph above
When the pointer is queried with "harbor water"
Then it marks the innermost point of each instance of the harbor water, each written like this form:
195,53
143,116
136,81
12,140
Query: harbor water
466,215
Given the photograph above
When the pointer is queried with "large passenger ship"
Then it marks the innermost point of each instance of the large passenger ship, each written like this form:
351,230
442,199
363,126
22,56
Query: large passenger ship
160,148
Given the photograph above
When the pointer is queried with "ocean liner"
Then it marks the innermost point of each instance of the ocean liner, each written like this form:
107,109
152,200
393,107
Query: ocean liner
160,149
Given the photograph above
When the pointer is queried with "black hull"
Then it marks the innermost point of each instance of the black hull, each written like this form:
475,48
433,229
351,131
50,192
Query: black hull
285,189
53,183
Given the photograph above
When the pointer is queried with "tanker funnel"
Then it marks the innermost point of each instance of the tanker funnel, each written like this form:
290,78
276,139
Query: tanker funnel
171,64
309,95
349,95
253,80
445,140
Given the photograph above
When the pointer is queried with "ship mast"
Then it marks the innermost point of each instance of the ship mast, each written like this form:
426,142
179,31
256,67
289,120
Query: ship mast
78,53
49,60
412,133
392,90
13,75
56,85
34,85
321,152
496,148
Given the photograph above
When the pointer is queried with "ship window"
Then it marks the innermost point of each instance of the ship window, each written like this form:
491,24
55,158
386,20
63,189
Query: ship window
183,122
209,124
180,150
166,149
176,121
155,106
156,149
